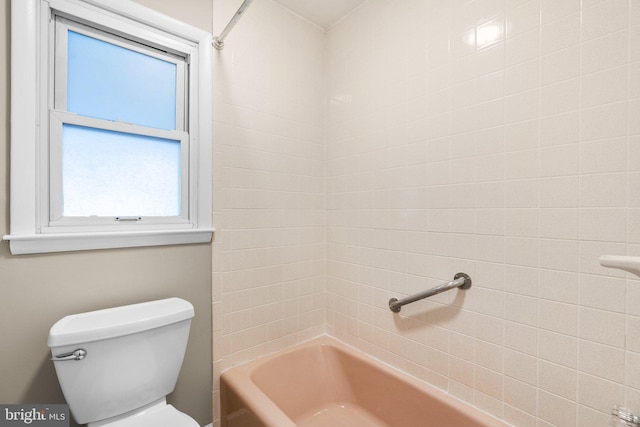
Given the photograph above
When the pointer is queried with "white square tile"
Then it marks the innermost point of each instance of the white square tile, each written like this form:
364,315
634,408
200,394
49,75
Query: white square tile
522,251
559,255
601,361
606,121
522,48
560,192
599,394
604,18
603,190
605,52
560,129
606,155
522,222
558,379
560,97
521,367
558,348
560,286
560,34
523,310
523,18
556,410
520,395
560,65
605,87
561,160
607,225
558,223
522,164
601,326
523,135
522,106
552,10
605,293
491,86
559,317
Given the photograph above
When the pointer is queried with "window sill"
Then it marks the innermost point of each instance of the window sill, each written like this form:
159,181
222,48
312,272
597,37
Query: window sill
46,243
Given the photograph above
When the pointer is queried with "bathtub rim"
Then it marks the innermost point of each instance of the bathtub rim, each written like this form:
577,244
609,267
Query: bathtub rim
240,378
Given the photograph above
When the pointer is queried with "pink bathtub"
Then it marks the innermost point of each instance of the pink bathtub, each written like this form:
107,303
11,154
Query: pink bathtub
324,383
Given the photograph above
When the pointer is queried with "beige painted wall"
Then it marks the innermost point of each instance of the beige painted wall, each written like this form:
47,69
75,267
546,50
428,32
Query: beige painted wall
36,291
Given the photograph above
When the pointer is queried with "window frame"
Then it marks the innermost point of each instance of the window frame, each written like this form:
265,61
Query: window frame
35,118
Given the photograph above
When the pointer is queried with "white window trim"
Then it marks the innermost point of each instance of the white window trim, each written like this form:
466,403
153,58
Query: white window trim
29,78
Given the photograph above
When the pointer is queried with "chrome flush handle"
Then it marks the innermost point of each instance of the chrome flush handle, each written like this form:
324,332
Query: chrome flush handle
78,354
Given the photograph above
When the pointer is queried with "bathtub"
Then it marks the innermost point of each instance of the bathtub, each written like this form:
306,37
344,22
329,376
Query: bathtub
326,383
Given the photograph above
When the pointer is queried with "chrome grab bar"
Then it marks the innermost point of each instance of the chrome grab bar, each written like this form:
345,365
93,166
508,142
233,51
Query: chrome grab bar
460,280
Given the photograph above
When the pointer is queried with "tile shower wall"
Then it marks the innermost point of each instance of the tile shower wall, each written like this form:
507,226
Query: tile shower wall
268,253
500,138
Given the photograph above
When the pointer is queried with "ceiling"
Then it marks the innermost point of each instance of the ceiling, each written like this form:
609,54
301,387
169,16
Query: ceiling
324,13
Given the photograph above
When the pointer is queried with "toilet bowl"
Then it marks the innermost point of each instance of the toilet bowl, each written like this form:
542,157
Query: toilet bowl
116,366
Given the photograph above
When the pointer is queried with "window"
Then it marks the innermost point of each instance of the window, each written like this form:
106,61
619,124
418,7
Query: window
111,127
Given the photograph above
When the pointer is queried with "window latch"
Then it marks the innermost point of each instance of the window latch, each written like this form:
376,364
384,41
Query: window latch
128,218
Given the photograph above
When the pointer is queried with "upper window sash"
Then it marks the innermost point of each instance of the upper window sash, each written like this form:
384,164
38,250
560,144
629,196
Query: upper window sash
60,62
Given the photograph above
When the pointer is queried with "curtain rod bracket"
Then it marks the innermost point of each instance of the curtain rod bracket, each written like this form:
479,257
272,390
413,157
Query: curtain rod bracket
217,43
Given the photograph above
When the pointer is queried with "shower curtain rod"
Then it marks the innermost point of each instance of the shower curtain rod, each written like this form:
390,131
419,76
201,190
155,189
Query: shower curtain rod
218,42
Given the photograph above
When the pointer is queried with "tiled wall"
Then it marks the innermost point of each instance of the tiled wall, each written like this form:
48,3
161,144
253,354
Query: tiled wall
419,138
268,253
500,138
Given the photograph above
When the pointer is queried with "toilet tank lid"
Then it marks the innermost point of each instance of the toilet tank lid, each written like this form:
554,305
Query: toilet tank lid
118,321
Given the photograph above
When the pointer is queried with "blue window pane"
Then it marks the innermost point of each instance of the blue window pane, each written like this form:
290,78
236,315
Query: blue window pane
109,82
108,173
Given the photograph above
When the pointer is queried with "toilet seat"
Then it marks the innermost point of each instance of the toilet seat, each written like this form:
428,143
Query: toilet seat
157,416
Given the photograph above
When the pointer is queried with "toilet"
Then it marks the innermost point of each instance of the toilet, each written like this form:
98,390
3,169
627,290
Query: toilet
116,366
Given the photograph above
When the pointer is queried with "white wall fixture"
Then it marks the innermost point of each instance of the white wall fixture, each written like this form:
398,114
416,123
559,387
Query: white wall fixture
630,264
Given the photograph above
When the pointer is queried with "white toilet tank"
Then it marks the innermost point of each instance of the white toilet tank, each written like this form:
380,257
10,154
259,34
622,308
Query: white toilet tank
117,360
